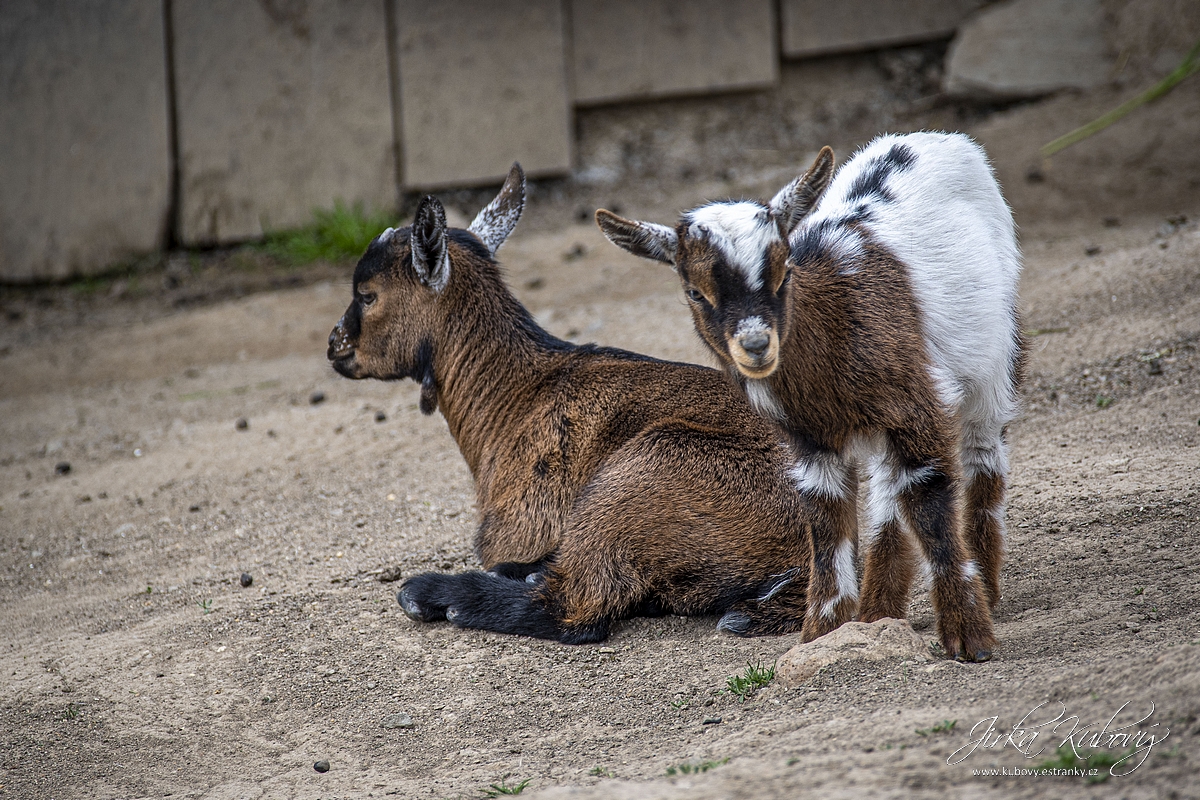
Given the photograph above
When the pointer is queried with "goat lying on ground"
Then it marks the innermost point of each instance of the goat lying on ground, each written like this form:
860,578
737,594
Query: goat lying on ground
882,324
607,483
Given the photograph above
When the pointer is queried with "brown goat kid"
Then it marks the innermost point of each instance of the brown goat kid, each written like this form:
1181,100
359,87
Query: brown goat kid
607,483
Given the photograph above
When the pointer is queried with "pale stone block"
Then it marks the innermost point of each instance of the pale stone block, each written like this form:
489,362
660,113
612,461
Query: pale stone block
282,108
817,27
632,49
482,84
853,641
84,144
1029,48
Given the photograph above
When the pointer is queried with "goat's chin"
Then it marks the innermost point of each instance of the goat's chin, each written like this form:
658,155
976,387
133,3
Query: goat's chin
348,367
757,370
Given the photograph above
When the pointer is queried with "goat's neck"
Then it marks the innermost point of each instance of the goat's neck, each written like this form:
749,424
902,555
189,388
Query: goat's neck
486,370
811,383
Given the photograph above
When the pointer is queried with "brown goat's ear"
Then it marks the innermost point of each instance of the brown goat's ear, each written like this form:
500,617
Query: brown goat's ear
795,200
430,254
498,218
645,239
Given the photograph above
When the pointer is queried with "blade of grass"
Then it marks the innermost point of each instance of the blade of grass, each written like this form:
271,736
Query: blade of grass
1190,65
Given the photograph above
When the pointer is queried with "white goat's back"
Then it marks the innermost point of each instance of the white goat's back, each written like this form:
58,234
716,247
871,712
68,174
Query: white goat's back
935,204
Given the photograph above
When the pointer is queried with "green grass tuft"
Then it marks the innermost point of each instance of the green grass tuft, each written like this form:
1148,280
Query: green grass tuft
340,234
691,768
502,788
753,678
945,726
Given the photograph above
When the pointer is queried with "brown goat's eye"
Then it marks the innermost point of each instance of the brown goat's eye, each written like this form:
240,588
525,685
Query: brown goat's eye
695,295
366,298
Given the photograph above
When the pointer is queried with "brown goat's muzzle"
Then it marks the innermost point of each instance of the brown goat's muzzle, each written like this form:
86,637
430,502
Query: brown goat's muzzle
341,353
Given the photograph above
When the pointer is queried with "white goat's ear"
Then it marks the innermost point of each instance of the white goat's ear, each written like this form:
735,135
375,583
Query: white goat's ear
645,239
795,200
498,218
430,252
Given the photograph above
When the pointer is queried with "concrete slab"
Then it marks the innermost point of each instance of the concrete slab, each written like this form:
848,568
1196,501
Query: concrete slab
1029,48
818,27
84,148
632,49
282,108
482,84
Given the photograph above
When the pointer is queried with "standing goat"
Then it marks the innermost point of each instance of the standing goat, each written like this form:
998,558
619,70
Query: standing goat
877,321
607,483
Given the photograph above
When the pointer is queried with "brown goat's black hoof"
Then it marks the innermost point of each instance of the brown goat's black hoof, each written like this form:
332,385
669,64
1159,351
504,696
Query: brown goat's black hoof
415,608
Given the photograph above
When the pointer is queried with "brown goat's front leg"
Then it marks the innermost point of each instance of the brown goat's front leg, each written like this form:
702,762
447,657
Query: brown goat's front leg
829,486
928,499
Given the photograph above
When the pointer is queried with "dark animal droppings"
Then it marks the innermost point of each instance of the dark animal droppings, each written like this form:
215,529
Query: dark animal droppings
380,416
316,398
246,579
321,766
242,423
62,468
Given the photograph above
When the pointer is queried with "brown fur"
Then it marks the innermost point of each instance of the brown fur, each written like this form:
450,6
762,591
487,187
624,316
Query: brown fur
639,481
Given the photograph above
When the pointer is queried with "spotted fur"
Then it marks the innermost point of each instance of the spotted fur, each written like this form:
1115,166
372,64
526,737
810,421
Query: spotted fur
891,287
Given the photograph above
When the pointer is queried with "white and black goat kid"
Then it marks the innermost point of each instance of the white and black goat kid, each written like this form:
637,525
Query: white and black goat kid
619,483
875,317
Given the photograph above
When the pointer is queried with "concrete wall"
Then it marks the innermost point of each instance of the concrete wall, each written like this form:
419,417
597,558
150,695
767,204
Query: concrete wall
84,149
636,49
482,84
282,108
818,27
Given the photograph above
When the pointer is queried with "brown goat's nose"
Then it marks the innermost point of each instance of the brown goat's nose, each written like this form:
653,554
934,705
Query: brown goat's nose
755,343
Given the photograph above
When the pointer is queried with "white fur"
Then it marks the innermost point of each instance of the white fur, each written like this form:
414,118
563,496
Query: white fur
750,326
823,476
949,225
969,570
763,400
742,231
847,578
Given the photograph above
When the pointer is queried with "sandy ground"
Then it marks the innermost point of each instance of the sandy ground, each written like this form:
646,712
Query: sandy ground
133,663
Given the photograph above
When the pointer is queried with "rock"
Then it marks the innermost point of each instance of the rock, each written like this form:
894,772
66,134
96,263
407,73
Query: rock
246,579
854,641
316,398
380,416
1028,48
62,468
398,721
817,27
242,424
321,766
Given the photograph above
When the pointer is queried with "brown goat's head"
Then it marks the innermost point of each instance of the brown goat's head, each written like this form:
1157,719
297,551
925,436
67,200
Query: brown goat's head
404,287
734,262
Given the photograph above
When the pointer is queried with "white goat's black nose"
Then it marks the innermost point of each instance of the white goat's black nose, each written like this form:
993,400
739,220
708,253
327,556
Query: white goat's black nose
755,343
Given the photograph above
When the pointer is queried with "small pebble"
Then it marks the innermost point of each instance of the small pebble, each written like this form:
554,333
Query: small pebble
321,766
246,579
316,398
193,508
1092,250
242,424
711,721
62,468
398,721
380,416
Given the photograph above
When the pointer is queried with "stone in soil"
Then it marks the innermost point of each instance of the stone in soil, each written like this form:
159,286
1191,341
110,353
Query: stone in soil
316,397
321,766
62,468
246,579
242,423
398,721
